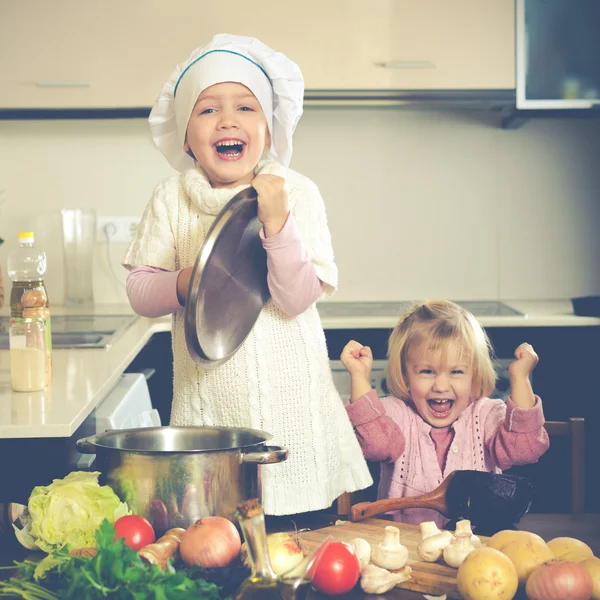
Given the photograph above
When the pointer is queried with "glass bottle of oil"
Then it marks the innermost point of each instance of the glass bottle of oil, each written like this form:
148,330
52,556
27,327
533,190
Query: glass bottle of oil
263,583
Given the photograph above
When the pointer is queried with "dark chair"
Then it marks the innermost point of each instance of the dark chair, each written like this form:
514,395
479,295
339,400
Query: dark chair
573,429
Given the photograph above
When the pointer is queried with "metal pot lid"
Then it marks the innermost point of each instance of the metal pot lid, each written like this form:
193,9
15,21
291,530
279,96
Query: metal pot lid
228,286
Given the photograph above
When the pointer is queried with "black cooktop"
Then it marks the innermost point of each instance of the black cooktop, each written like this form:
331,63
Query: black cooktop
479,308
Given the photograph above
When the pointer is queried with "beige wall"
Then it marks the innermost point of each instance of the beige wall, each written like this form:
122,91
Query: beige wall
420,203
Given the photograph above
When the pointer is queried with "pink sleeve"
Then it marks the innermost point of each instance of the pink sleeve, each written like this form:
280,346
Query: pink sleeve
379,436
292,278
152,292
514,435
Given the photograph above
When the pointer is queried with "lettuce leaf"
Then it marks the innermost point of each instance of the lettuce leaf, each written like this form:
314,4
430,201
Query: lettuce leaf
68,512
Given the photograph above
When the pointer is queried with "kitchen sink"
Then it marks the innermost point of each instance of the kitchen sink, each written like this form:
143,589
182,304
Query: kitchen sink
79,331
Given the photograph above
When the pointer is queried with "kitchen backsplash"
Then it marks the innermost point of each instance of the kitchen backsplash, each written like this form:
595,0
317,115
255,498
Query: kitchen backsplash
420,203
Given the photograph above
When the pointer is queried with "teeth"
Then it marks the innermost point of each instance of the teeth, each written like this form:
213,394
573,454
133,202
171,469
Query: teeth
230,143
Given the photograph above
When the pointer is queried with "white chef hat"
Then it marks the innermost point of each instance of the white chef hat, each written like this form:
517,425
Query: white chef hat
273,78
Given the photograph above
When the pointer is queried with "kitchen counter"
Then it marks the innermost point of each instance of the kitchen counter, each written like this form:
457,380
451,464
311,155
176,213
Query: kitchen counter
81,378
375,315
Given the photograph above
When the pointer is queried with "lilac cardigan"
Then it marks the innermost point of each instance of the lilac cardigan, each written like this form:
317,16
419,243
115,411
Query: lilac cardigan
488,436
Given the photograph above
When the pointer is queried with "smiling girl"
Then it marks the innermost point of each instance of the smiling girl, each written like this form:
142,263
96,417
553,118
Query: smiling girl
225,119
439,417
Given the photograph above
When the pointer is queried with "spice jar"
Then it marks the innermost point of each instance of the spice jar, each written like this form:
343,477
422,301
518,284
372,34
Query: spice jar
27,339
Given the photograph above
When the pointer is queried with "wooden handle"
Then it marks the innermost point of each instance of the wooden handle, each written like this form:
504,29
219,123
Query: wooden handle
363,510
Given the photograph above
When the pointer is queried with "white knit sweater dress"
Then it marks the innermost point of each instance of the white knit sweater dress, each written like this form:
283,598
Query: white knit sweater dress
279,381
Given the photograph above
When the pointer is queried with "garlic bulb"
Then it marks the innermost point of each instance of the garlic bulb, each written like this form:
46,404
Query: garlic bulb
458,550
375,580
464,528
390,553
433,541
362,549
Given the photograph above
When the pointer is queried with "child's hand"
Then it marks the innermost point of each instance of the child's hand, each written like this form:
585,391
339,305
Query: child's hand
183,282
526,360
273,209
357,359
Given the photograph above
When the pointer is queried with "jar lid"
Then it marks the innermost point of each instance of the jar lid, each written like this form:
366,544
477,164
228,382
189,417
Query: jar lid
26,236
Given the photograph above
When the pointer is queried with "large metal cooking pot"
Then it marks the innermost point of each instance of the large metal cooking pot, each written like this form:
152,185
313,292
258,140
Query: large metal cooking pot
176,475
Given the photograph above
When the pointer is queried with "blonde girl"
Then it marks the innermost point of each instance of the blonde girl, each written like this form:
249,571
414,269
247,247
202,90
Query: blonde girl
439,417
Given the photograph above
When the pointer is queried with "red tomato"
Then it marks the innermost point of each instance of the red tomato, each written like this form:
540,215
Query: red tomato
136,531
337,570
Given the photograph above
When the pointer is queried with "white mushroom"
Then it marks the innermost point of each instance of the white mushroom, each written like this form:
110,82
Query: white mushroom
433,541
390,553
458,550
464,528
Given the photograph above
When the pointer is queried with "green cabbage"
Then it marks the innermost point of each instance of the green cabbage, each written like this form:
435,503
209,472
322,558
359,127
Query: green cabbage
67,513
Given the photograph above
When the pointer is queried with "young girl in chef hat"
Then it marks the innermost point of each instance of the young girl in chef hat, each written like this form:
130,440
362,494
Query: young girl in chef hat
224,119
439,418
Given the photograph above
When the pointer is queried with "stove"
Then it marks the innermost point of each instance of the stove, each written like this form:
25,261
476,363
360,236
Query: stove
479,308
79,331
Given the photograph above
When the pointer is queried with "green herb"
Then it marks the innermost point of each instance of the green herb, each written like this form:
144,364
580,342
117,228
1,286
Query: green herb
115,571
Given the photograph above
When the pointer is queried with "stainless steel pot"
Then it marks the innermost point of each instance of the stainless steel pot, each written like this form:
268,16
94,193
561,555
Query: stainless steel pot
176,475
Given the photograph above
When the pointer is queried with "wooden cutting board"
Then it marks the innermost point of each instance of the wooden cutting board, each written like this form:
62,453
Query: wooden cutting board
429,578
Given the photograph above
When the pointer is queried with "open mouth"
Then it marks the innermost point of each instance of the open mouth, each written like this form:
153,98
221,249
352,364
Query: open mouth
440,408
230,149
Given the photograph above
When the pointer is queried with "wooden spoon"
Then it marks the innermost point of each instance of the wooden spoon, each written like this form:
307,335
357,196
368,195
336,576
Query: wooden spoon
477,495
436,500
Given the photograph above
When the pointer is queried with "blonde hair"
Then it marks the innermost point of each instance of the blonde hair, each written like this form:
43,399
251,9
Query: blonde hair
440,322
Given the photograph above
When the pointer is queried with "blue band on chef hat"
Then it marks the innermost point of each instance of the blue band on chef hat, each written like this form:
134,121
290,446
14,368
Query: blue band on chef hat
211,52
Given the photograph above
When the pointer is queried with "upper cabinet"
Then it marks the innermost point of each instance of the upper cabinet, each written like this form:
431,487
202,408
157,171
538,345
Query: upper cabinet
558,54
452,44
115,54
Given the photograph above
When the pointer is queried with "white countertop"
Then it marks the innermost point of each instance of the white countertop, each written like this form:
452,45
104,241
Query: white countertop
82,378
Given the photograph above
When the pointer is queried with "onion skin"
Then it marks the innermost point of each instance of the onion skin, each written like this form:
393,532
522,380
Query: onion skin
210,542
559,580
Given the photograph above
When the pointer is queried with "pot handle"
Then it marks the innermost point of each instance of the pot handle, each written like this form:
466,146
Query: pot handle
270,455
87,445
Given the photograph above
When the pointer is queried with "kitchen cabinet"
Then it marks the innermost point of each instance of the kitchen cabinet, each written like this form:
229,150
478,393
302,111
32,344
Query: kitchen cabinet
456,44
112,54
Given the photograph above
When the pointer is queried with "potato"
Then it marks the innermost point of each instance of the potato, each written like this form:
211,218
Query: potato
526,555
487,574
563,546
500,539
592,566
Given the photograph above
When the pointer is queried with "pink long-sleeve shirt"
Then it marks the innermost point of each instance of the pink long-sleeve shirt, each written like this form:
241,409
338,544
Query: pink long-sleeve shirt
292,278
416,457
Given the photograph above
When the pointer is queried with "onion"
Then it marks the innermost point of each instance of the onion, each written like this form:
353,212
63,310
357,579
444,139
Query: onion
210,542
559,580
284,552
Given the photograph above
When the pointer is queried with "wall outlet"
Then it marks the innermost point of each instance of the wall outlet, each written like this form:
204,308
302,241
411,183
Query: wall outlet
116,229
